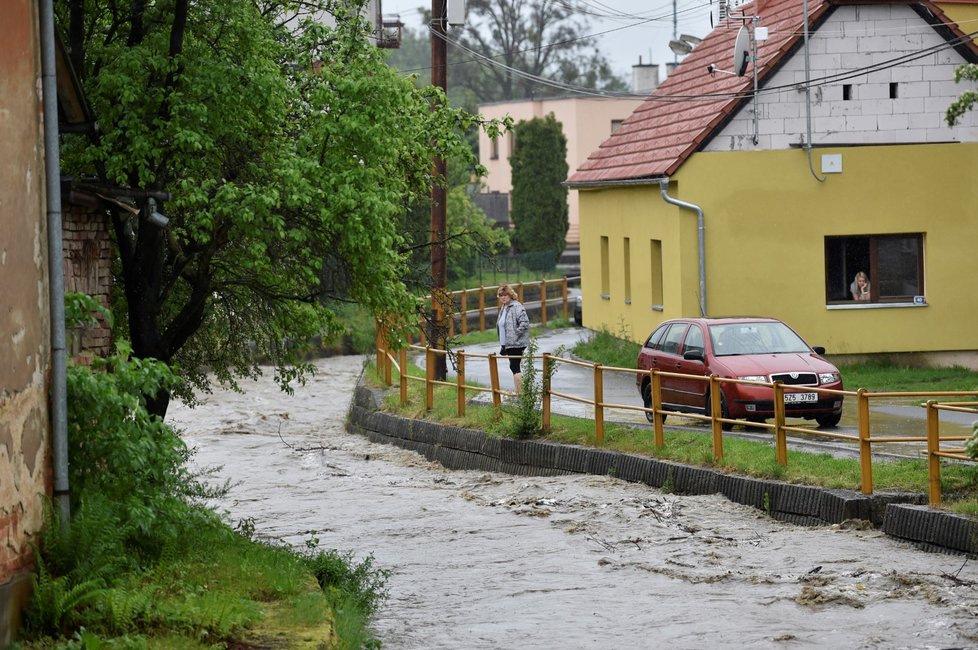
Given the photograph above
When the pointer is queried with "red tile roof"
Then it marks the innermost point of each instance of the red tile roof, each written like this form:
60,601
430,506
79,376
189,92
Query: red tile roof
692,104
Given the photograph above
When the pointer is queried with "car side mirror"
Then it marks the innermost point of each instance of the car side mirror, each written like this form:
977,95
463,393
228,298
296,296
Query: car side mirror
693,355
819,350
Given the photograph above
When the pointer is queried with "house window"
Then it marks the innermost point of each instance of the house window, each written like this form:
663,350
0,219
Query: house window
846,92
627,263
655,273
511,137
493,148
615,125
894,265
605,271
893,89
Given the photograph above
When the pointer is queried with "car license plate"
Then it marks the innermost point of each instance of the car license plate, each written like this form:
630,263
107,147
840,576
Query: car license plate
794,398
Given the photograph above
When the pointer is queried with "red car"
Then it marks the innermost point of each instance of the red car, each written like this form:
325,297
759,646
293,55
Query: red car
754,349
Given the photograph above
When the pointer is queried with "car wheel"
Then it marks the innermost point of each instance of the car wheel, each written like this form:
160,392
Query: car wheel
828,421
647,399
724,412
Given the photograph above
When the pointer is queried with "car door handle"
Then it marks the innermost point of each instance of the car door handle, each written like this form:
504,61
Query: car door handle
678,365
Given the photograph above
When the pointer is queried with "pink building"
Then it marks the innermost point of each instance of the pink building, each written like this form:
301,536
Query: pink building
587,122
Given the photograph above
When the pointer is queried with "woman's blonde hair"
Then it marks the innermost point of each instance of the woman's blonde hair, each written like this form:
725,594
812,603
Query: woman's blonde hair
508,290
861,274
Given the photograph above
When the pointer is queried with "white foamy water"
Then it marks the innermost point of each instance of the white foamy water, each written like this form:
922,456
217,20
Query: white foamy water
496,561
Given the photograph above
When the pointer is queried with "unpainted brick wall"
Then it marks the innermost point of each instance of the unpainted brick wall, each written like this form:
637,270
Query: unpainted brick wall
88,269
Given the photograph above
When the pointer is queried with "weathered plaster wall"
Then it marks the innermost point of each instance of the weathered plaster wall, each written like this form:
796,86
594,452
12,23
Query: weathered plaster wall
25,469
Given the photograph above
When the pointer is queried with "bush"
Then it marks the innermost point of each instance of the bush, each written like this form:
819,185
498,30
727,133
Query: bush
525,417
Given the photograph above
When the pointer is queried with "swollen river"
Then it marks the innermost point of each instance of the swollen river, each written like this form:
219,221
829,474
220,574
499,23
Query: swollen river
496,561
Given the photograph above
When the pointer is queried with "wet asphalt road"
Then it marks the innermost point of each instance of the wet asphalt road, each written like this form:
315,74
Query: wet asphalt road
891,418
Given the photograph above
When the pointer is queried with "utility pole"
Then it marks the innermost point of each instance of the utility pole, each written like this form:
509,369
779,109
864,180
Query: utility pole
439,273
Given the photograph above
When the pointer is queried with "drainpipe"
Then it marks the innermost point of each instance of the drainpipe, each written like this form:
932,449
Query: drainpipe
808,96
700,235
56,280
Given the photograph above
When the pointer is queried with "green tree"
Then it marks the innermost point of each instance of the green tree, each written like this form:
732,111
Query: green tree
505,40
539,198
471,235
289,149
968,99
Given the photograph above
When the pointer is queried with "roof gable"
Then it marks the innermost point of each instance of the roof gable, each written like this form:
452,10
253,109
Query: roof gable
693,104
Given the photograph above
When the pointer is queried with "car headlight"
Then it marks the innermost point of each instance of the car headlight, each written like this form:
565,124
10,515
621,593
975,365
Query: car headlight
754,378
828,377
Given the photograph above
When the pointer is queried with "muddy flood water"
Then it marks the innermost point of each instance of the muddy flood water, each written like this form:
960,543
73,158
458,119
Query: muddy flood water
484,560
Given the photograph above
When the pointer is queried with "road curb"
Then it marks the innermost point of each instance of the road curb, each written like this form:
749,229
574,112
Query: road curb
900,515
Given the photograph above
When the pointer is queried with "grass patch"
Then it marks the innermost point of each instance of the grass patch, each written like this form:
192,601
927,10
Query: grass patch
609,350
213,588
881,376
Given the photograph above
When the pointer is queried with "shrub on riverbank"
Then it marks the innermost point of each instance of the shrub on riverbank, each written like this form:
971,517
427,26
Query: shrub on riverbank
142,562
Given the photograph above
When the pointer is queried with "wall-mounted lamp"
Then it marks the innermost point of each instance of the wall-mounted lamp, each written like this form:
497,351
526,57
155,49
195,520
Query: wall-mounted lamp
155,217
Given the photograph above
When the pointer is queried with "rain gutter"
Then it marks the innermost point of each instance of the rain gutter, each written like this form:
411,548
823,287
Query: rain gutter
700,236
56,280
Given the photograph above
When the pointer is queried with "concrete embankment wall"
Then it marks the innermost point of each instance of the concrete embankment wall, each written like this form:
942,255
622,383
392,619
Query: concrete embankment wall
900,515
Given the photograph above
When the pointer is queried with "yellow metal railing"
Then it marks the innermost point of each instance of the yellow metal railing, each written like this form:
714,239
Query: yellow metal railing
864,438
458,303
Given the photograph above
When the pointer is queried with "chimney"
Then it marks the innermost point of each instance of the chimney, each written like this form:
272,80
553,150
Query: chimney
645,77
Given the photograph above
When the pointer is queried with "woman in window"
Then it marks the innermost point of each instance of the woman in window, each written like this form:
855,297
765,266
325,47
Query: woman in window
860,287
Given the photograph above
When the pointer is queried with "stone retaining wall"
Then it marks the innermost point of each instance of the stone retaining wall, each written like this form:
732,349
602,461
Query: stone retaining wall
900,515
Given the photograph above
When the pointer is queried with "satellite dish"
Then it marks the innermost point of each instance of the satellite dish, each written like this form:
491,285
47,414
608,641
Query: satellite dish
741,53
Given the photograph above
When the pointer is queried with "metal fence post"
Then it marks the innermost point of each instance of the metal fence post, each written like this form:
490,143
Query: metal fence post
865,446
482,308
460,380
543,302
598,404
657,417
429,376
404,376
716,411
465,313
494,380
563,295
933,460
780,438
546,391
379,347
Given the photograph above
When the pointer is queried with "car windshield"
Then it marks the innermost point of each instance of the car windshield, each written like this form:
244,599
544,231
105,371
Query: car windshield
755,338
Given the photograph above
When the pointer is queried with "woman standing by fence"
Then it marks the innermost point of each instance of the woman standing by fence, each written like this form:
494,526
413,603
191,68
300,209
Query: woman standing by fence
513,326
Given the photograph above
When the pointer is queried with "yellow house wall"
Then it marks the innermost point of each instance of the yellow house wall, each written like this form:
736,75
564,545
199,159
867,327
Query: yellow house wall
637,213
766,219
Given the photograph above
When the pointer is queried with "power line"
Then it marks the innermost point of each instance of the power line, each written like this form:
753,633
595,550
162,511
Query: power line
746,93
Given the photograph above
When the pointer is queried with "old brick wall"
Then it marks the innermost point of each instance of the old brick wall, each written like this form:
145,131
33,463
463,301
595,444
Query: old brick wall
25,462
88,269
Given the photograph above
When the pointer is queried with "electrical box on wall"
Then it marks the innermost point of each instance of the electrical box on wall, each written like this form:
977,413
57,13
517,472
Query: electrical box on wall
456,12
832,163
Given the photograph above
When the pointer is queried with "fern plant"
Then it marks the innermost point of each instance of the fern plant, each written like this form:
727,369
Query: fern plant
56,600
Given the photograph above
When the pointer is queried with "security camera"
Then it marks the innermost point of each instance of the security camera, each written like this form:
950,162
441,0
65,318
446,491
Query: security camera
712,69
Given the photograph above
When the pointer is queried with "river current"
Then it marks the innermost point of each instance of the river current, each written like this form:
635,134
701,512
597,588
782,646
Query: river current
485,560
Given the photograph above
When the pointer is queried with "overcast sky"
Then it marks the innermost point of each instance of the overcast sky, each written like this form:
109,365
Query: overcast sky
625,29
